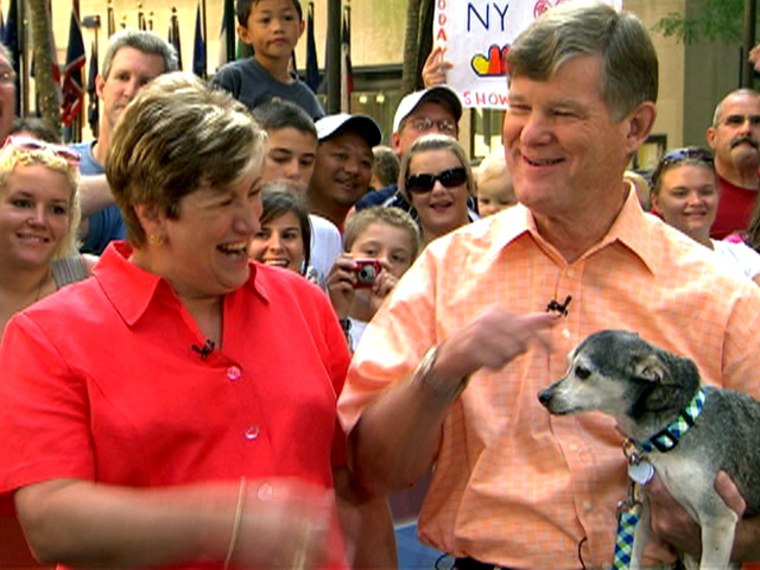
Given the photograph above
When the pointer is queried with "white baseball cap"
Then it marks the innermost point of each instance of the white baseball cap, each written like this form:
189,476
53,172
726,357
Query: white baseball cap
437,94
364,125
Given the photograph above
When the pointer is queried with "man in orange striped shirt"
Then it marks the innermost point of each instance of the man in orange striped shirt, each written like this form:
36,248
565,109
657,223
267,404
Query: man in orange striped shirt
448,371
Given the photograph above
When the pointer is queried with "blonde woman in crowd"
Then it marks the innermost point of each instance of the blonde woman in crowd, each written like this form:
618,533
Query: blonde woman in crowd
436,179
39,216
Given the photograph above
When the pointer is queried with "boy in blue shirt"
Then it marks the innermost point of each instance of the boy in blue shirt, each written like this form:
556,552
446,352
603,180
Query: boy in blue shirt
272,28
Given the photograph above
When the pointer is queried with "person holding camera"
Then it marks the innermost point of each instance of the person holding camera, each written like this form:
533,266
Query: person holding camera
380,245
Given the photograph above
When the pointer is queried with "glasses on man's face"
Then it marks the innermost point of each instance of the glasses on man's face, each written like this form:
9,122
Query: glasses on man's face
690,155
423,183
739,120
425,124
30,144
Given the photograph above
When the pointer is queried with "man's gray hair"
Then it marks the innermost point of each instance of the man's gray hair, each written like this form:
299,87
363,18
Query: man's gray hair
144,41
575,29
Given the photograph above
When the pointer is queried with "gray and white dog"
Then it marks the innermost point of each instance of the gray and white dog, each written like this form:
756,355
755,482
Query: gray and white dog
688,432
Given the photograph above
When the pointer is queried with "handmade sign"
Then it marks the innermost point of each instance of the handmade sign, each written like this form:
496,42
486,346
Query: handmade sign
476,35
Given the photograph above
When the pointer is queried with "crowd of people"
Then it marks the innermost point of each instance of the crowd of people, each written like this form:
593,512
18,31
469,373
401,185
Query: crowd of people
234,328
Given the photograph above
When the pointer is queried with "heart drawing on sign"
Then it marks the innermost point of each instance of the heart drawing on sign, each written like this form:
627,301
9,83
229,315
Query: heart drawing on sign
492,65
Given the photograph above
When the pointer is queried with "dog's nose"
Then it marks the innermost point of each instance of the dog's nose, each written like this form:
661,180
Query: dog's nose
545,396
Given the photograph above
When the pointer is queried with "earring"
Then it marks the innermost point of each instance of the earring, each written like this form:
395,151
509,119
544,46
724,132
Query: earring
157,238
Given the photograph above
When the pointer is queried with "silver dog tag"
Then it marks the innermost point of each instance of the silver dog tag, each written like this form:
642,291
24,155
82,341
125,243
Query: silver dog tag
641,471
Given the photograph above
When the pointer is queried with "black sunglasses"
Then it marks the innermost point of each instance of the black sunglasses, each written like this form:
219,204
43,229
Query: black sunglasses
423,183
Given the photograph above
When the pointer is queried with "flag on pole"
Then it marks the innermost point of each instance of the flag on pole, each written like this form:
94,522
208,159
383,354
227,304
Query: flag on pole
73,93
312,65
174,37
227,34
93,109
11,41
347,77
199,47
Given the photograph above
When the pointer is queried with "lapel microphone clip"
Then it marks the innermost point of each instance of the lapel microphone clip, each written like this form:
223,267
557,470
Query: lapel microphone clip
558,307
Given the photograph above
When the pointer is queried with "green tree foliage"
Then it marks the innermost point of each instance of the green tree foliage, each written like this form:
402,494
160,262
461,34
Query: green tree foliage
717,21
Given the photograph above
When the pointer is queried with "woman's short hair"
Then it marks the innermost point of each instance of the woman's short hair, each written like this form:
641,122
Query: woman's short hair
279,197
175,136
12,157
395,217
575,29
434,141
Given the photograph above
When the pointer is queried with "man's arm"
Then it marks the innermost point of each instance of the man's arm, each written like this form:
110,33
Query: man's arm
398,436
94,194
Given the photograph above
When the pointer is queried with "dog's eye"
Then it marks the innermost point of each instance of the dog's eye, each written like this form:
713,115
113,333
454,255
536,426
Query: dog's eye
582,373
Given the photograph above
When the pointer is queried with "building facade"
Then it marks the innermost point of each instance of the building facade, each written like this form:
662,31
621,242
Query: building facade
692,77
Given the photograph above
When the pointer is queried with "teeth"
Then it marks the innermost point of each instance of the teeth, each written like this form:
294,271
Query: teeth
234,248
544,162
32,238
276,262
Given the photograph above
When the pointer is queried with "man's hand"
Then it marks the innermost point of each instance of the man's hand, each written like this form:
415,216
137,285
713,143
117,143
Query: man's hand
491,340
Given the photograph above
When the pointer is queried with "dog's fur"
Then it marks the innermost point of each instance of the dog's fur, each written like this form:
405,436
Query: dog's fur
645,388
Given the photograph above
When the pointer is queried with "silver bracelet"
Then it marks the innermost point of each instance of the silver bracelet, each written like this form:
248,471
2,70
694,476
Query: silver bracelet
423,376
237,520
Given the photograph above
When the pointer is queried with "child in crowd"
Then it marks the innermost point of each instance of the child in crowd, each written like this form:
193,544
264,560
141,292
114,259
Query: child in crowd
285,234
272,28
494,188
388,235
385,169
291,155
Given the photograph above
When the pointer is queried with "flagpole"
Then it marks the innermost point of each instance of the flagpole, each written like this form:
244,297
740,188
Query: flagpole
205,39
346,78
111,19
334,56
21,28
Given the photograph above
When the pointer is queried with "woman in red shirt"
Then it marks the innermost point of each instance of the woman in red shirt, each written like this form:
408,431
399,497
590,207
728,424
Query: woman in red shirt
178,408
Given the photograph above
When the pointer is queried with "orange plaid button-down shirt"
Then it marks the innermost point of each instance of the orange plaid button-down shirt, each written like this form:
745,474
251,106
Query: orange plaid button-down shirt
514,485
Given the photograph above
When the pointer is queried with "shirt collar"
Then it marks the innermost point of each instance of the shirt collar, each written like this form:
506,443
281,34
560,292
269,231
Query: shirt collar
631,228
131,289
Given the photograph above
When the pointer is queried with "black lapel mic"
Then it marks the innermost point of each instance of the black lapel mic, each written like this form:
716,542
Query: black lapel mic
555,305
205,350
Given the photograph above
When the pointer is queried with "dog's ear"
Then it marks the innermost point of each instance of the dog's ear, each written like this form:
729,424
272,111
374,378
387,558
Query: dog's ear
650,368
652,374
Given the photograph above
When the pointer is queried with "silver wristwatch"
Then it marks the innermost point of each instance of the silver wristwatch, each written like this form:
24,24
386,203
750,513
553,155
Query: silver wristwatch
423,376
